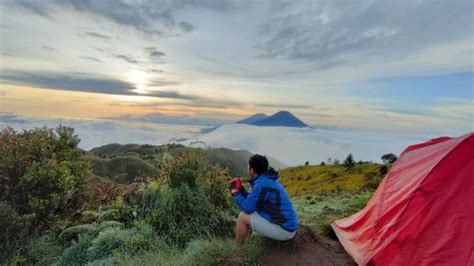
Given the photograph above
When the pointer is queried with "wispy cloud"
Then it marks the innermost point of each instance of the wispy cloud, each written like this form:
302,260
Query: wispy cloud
93,59
98,35
153,17
126,58
49,48
154,54
83,82
327,31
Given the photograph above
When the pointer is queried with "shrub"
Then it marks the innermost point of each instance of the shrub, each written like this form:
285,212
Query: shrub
349,162
111,242
76,254
115,241
185,213
214,182
45,250
41,172
184,168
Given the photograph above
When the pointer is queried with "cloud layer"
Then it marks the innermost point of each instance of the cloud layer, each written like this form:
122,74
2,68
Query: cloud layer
327,61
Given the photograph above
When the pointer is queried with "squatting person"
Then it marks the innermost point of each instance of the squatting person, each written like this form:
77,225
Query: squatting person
267,209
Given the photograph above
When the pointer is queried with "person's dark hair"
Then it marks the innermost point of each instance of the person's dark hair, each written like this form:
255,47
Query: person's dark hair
258,163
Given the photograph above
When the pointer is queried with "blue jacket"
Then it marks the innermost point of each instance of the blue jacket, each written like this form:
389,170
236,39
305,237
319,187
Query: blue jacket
270,200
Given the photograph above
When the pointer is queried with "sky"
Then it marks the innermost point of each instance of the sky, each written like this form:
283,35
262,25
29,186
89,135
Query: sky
384,65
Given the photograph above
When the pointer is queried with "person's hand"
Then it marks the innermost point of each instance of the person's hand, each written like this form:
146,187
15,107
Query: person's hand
235,185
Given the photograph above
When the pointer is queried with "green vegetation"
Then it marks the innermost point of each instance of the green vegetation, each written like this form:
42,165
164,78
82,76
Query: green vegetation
54,210
132,162
389,158
41,178
311,180
349,162
318,211
324,193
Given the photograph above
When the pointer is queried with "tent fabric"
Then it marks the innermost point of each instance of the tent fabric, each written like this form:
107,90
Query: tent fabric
422,213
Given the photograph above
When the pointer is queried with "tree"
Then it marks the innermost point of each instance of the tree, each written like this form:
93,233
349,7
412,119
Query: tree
323,164
336,162
349,162
306,163
41,172
389,158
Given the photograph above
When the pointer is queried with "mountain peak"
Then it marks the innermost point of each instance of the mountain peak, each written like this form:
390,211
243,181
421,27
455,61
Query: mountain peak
282,118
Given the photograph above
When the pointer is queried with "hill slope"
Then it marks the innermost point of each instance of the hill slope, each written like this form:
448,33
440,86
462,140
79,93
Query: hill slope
309,180
122,163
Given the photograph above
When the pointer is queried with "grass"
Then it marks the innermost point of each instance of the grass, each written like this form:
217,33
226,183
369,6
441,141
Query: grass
318,211
322,194
310,180
204,252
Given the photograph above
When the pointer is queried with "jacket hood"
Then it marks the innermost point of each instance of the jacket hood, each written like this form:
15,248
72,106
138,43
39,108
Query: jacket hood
270,174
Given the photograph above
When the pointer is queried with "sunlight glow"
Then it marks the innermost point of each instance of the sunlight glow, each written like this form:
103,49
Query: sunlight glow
139,79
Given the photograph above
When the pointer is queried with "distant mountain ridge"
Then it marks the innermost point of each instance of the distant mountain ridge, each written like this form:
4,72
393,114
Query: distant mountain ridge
281,118
252,119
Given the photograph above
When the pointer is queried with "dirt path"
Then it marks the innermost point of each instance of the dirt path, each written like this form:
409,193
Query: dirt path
308,249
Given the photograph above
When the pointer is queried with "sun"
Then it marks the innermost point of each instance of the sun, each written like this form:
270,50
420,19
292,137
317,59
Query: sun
139,79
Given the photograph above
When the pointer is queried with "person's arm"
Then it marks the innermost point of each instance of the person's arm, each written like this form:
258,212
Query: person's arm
244,192
248,204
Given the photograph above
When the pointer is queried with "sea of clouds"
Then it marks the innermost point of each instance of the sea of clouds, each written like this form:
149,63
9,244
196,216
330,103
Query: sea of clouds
291,146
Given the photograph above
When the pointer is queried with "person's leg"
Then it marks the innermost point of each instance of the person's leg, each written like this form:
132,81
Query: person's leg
263,227
243,229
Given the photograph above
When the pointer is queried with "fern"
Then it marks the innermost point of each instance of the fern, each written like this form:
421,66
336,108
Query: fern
79,229
107,224
106,215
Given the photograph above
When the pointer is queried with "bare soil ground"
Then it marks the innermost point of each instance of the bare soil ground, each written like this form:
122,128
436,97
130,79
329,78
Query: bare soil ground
307,249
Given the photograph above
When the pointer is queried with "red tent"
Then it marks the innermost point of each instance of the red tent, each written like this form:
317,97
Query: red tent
423,211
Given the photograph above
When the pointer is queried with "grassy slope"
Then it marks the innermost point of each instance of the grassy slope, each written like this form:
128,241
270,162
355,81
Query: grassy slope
322,194
308,180
121,162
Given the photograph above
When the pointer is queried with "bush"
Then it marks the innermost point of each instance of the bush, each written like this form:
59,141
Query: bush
76,254
115,242
214,182
45,250
349,162
186,168
185,214
41,172
111,242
